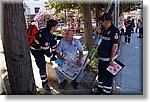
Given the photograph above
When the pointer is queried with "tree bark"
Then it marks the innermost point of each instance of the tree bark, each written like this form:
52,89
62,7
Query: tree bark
87,25
16,49
98,10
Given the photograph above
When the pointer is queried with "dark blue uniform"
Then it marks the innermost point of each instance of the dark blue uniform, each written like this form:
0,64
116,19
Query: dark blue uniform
128,31
41,45
109,37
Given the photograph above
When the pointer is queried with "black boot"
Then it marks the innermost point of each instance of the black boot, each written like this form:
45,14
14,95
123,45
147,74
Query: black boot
62,84
75,84
46,87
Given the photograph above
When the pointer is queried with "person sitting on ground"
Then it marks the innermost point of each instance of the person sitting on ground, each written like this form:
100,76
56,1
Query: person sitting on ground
73,46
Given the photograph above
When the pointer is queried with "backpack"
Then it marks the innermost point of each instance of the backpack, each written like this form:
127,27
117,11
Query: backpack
32,31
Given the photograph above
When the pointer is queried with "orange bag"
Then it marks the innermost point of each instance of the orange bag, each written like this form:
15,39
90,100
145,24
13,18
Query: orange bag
32,31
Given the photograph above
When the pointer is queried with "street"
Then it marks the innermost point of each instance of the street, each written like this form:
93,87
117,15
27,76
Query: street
132,75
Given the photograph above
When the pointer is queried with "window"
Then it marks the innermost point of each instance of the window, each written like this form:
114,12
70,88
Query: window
45,3
37,9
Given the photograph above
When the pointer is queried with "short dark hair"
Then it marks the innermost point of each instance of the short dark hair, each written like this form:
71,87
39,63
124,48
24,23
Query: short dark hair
51,23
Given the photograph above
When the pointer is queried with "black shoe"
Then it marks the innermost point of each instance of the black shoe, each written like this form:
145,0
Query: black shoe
62,84
97,91
138,37
104,93
46,87
75,84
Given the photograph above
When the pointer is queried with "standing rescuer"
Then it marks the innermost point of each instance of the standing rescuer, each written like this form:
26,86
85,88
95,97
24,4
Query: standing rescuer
106,51
43,42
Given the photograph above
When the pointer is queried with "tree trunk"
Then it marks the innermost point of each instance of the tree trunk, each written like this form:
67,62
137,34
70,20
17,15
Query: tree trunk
98,10
87,25
16,49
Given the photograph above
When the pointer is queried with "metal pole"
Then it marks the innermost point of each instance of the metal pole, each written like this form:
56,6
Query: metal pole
118,18
109,4
115,11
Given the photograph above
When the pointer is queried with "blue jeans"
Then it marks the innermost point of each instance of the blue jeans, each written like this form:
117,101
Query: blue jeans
60,76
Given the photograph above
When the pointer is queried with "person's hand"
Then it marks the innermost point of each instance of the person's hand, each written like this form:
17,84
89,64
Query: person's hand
98,30
58,61
79,63
111,62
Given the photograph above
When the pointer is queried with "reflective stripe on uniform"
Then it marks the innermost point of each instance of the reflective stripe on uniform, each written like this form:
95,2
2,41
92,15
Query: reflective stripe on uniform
45,48
104,59
100,86
106,91
108,59
54,46
105,38
42,76
34,48
51,56
106,87
100,82
44,80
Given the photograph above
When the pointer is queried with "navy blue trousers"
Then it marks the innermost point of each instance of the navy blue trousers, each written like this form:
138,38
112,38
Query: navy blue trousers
41,64
104,77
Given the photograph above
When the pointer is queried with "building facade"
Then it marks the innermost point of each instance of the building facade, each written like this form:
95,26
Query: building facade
32,7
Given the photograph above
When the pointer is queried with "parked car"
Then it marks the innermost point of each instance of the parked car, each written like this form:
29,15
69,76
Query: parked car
60,26
93,26
42,26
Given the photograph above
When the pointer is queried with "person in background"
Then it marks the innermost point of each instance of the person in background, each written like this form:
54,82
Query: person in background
133,25
139,27
128,26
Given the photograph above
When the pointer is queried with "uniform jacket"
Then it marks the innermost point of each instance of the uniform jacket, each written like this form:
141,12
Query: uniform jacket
109,37
43,41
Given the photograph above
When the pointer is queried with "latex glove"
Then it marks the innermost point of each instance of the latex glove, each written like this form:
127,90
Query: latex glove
58,61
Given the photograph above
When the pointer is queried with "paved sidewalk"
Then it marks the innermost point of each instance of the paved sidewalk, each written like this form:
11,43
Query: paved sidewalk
131,77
